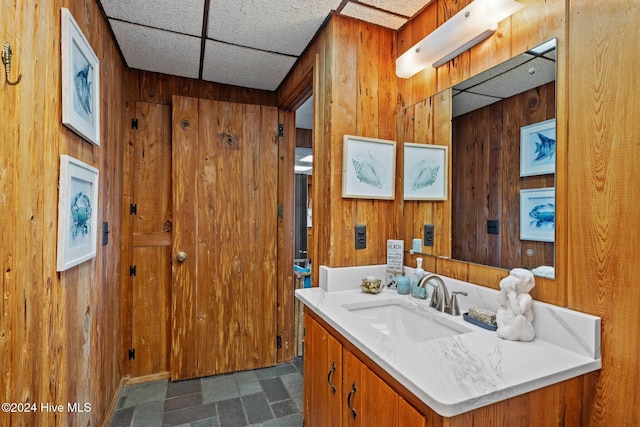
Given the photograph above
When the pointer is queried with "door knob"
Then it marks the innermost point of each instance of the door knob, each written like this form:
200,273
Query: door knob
181,256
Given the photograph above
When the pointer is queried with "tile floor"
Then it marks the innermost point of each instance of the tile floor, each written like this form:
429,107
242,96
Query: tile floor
263,397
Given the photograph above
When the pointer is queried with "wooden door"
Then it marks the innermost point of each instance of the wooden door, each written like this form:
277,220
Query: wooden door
322,376
225,182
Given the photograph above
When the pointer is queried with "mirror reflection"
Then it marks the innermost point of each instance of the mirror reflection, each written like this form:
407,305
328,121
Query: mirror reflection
503,164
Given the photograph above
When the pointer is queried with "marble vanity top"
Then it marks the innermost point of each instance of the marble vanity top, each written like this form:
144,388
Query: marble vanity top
456,374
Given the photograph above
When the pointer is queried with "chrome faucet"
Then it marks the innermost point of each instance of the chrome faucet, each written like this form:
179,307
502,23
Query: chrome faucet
440,299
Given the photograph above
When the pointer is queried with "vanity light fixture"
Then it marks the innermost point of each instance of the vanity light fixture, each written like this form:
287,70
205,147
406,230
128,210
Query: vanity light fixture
465,29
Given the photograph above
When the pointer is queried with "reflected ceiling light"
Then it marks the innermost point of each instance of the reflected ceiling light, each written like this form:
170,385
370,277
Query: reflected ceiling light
464,30
307,159
302,168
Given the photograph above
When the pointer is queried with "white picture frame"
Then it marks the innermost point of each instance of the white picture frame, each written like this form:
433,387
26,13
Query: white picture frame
538,214
368,168
80,81
538,148
425,171
77,213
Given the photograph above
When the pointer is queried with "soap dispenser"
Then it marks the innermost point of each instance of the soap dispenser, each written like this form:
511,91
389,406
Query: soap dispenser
417,291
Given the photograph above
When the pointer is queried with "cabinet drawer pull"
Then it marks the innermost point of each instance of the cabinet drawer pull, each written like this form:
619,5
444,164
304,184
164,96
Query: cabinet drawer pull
351,393
329,375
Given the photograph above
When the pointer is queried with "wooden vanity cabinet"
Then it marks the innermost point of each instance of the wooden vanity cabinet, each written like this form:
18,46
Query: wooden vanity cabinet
360,397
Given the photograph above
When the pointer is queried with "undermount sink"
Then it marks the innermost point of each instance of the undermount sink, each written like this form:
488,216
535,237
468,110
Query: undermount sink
401,319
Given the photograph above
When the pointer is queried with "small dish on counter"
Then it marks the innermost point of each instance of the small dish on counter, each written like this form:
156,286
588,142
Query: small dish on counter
371,285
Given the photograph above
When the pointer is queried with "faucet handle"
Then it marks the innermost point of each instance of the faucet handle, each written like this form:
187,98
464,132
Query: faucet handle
453,308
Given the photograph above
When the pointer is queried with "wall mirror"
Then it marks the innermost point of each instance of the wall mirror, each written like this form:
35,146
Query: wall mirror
503,126
503,130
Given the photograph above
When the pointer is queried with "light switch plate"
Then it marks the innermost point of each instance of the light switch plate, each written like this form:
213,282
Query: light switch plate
361,236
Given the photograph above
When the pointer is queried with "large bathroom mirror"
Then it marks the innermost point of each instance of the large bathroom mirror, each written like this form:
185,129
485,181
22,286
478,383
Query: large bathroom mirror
503,164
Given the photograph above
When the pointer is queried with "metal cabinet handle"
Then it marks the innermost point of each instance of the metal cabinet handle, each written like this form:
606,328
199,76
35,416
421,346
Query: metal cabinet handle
351,393
329,375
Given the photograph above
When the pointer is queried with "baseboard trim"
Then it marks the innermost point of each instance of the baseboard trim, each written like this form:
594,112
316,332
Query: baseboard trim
148,378
114,401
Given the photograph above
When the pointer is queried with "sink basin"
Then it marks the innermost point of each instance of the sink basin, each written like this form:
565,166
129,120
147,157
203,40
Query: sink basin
401,319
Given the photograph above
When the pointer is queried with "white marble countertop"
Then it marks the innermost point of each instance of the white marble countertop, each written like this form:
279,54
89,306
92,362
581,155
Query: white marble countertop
456,374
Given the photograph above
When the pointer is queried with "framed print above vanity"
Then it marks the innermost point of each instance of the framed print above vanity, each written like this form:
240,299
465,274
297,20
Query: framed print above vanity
425,171
538,148
368,168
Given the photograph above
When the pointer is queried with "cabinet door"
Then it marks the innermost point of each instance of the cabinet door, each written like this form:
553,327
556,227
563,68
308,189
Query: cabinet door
367,399
408,415
322,376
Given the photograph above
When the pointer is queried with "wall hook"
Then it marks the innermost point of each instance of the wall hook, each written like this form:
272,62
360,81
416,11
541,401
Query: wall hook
6,60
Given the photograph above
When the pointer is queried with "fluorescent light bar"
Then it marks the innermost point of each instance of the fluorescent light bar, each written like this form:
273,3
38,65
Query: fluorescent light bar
302,168
464,30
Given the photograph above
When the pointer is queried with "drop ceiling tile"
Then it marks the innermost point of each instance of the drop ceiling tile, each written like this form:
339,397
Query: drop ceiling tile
184,16
525,77
281,27
151,49
240,66
407,8
375,16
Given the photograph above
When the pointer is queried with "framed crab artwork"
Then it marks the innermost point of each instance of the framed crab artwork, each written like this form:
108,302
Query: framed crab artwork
368,168
425,171
77,212
538,214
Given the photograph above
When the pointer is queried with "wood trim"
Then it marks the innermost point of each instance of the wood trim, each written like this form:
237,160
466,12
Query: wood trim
114,400
147,378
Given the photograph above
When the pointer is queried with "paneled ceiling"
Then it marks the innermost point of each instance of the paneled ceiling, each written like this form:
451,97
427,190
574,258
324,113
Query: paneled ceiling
247,43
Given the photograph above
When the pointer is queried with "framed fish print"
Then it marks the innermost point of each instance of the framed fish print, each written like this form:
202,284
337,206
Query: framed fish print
538,214
425,171
77,212
368,168
538,148
80,82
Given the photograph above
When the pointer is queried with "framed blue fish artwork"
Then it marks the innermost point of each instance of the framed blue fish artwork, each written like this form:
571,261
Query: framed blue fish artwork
425,171
77,212
80,81
538,214
368,168
538,148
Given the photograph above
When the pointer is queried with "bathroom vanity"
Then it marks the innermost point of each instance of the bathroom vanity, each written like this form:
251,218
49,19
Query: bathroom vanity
389,359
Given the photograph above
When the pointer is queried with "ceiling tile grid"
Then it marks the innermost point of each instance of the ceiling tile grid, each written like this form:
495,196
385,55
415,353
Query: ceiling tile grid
184,16
240,66
280,27
151,49
375,16
247,43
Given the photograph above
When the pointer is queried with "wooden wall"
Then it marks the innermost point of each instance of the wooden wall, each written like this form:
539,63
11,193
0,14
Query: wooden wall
485,180
597,223
59,332
351,66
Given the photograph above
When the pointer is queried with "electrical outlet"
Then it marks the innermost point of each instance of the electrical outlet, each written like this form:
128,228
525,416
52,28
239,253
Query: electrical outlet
429,234
361,236
493,226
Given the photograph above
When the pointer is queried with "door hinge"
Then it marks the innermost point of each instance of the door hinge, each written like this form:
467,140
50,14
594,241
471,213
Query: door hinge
280,211
279,341
133,209
132,353
132,270
280,130
134,124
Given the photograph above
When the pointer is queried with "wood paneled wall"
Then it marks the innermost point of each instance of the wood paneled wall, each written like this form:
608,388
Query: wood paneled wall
486,182
355,93
59,332
597,223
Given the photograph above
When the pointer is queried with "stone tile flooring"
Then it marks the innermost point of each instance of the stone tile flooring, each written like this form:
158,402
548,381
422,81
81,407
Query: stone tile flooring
263,397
